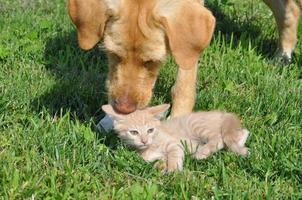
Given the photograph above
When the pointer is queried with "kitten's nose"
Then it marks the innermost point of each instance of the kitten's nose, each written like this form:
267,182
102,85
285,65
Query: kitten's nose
144,140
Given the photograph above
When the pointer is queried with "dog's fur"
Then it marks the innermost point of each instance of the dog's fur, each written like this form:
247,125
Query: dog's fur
138,35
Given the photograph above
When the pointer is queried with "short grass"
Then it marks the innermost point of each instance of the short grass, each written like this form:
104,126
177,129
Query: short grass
51,93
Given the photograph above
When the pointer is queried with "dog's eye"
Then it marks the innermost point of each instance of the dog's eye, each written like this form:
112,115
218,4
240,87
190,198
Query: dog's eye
150,130
133,132
115,58
148,62
151,64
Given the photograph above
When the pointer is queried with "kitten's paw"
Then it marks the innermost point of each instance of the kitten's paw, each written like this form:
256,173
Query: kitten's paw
174,168
202,154
174,165
161,165
244,151
243,135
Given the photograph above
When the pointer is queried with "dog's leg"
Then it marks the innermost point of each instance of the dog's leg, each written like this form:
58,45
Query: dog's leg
183,92
286,13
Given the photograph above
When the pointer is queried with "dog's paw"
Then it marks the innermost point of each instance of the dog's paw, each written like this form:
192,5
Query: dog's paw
282,57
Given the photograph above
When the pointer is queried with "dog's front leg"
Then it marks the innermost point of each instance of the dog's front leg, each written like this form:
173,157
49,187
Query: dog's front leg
286,13
183,91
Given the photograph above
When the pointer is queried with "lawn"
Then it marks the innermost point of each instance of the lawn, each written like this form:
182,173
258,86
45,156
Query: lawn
51,93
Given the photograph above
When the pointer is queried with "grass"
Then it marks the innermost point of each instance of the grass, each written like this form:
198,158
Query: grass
51,93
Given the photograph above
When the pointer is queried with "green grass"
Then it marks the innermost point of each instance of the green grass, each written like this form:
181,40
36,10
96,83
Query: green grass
51,93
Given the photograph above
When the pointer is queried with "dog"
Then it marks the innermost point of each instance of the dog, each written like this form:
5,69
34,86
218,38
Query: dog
138,35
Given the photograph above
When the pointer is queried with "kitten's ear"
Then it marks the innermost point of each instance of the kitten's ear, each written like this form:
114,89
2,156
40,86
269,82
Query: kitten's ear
108,109
158,111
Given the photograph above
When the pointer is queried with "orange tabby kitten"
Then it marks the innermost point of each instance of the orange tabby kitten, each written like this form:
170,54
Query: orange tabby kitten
202,133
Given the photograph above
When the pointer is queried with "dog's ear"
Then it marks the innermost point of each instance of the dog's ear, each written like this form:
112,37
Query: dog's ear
189,28
89,16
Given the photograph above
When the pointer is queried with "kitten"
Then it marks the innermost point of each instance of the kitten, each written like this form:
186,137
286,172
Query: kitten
202,133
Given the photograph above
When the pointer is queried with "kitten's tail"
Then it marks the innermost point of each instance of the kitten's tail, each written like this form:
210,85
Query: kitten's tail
234,136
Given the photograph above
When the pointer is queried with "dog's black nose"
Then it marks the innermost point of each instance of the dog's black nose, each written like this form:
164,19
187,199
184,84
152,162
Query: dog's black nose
124,105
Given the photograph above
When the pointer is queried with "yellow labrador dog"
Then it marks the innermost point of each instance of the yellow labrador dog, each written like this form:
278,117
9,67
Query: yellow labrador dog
138,35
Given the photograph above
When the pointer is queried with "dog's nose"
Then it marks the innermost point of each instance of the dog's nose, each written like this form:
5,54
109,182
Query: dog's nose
124,105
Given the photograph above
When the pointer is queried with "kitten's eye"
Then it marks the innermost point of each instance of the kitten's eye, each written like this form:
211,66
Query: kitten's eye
133,132
150,130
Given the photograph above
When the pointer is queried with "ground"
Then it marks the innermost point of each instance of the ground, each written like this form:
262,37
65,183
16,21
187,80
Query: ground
51,93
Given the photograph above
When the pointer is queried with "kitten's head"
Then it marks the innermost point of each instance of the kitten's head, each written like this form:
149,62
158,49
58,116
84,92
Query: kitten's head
137,129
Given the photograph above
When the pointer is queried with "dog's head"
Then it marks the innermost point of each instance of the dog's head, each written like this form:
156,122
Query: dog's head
138,34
